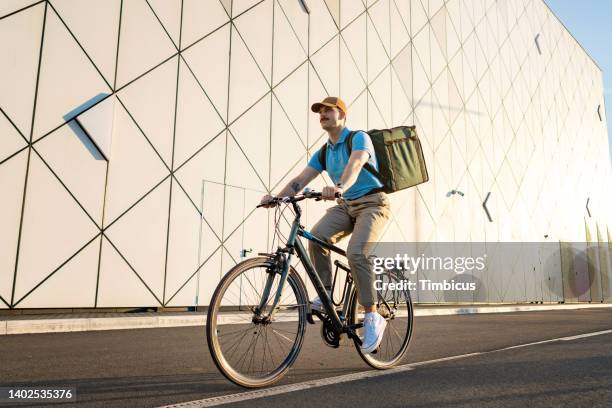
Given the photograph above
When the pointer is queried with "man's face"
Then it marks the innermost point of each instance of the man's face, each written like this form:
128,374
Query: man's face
331,117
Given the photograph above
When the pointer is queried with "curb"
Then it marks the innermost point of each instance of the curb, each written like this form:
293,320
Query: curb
79,324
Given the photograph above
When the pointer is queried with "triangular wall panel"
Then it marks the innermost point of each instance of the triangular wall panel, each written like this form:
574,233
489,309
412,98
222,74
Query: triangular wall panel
286,148
349,11
143,43
325,63
351,81
200,19
326,27
240,172
247,83
212,77
292,95
379,15
354,36
252,133
134,170
258,36
84,174
73,285
378,57
141,236
169,13
287,48
54,228
400,30
20,39
68,82
101,43
118,285
155,119
197,122
186,232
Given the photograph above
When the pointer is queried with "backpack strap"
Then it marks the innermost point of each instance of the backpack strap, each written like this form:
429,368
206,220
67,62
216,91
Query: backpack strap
367,165
323,156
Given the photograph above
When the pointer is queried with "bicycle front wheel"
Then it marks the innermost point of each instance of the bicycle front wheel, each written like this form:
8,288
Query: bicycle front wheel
248,347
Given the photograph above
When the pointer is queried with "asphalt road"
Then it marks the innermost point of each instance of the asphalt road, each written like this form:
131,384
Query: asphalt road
153,367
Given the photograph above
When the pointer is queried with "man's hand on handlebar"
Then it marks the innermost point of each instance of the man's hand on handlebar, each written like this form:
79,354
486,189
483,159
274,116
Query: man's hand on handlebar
269,201
266,201
331,192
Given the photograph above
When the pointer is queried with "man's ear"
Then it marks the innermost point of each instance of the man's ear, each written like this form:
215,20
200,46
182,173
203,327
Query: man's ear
342,114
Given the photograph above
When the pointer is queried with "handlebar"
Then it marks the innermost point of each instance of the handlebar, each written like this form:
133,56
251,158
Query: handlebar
318,196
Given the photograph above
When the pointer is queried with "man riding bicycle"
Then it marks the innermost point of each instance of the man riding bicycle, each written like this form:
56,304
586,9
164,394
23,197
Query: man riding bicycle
362,210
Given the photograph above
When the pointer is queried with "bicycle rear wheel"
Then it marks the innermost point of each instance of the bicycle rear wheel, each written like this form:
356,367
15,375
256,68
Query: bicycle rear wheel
397,310
248,348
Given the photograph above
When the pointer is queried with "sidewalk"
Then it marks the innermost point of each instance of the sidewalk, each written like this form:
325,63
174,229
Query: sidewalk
58,323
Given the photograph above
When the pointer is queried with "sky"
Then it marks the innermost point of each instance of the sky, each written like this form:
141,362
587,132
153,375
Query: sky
590,22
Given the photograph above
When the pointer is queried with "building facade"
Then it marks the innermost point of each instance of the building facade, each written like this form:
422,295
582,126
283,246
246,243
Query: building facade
137,136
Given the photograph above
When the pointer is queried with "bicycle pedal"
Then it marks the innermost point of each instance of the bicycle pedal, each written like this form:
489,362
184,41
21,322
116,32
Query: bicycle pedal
320,315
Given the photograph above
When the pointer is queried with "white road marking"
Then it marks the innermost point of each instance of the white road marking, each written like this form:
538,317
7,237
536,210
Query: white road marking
582,336
284,389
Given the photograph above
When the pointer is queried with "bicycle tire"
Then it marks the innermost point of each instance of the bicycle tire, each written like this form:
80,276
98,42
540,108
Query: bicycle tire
378,360
233,370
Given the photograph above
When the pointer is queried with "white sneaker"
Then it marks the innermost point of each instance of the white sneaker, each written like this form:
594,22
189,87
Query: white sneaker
373,330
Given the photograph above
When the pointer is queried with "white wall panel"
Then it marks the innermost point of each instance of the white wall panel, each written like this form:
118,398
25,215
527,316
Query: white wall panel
143,43
286,148
326,27
20,39
325,63
118,285
101,43
247,82
155,119
197,122
68,82
73,285
84,174
141,237
187,230
292,94
169,13
288,50
134,169
251,132
212,77
54,228
257,36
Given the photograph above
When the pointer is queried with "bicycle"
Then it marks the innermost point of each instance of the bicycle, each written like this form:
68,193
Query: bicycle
240,312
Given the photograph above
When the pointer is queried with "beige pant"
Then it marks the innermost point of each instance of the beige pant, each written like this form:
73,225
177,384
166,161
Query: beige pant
365,217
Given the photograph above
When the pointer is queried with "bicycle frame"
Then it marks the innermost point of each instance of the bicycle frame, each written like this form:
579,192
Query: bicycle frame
294,246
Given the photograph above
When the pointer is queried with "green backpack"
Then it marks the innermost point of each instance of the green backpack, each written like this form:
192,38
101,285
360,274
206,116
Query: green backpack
399,155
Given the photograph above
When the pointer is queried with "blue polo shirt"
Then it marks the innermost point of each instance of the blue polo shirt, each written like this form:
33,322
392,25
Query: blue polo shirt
337,159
